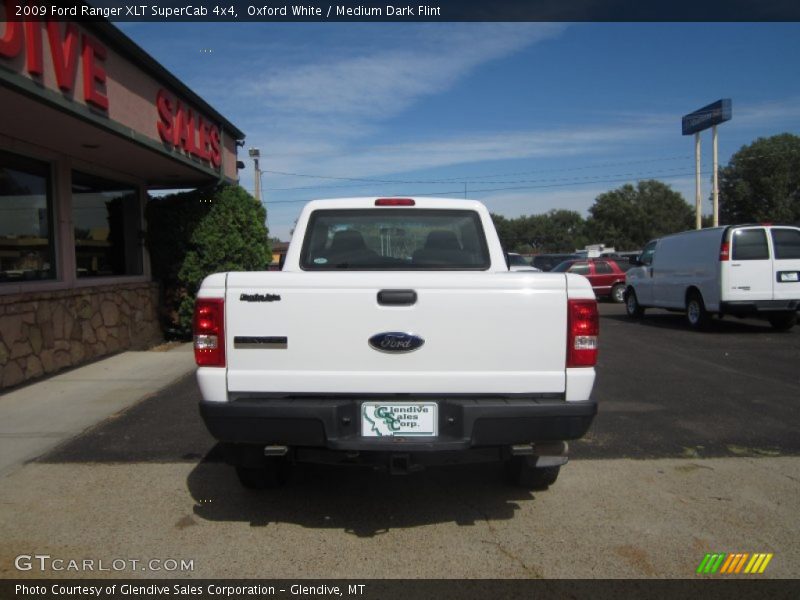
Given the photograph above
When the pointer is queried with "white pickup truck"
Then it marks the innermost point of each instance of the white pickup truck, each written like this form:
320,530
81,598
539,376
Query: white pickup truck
395,335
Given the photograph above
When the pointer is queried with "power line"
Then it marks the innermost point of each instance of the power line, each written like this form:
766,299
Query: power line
459,179
442,182
616,179
367,181
567,181
585,181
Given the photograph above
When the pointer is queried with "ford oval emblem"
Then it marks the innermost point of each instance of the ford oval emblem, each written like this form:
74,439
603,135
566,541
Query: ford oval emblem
395,342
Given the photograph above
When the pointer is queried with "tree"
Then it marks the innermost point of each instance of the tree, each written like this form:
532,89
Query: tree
559,231
629,217
192,234
171,221
233,236
506,232
762,182
554,231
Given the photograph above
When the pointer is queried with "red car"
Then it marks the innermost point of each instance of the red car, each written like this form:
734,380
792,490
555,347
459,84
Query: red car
606,275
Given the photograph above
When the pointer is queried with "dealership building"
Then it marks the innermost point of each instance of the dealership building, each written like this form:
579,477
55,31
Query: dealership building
89,122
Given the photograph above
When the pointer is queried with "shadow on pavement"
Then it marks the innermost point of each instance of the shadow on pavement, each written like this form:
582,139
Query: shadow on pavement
358,500
166,427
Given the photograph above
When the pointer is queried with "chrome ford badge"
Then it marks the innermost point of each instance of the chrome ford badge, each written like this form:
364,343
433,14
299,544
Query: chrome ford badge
395,341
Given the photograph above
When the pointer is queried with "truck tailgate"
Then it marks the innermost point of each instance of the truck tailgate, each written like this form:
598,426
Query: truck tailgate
484,333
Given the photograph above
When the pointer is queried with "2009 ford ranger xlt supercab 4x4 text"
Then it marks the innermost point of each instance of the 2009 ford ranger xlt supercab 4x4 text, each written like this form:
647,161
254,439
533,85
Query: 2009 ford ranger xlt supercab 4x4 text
395,335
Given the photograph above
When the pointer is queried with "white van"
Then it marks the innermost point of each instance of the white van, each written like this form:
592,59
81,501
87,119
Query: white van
743,270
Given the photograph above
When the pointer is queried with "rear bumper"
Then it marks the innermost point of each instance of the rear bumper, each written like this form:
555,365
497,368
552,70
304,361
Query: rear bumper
334,423
758,306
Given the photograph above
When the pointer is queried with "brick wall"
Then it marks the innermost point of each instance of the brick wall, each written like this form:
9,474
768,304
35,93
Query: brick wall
41,333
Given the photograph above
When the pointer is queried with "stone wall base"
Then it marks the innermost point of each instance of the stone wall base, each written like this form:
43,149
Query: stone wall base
42,333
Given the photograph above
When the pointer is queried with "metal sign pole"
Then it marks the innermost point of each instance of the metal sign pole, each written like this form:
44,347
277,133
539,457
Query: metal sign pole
715,177
693,123
698,199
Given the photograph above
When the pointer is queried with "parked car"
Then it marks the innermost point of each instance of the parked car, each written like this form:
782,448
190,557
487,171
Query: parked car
517,263
545,262
742,270
606,276
623,259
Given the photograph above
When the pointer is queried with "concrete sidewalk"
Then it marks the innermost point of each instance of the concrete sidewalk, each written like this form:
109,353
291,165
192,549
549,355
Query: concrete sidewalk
40,416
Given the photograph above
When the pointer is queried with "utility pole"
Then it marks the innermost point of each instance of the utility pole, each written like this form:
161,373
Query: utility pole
255,154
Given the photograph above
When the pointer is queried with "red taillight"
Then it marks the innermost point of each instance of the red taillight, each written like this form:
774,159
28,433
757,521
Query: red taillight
394,202
583,326
209,332
725,251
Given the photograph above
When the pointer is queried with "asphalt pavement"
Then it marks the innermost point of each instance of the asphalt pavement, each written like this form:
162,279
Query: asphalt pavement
665,390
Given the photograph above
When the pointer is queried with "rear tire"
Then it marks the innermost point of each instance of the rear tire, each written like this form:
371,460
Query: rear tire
783,321
696,314
522,472
632,306
618,293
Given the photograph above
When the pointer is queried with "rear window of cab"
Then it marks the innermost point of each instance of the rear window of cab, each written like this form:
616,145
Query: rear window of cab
394,239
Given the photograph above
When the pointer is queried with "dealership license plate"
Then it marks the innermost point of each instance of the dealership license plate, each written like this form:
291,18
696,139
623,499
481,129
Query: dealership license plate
790,276
389,419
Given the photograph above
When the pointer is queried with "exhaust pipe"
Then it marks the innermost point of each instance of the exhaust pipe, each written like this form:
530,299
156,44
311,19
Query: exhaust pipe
548,454
276,450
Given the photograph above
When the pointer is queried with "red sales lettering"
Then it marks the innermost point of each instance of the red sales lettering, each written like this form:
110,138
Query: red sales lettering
181,127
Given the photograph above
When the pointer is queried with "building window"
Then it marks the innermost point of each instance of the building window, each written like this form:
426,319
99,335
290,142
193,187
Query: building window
26,233
107,227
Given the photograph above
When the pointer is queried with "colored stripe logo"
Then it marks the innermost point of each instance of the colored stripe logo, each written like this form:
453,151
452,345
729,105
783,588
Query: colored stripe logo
734,563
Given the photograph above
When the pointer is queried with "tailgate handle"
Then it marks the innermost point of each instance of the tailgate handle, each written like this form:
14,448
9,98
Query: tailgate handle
397,297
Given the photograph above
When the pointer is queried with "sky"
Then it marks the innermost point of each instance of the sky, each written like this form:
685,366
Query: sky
525,117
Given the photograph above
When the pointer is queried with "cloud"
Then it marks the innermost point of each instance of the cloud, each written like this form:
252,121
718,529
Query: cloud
537,202
381,161
767,113
746,114
383,83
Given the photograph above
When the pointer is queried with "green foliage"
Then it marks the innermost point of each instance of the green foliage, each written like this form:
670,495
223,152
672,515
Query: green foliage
194,234
555,231
762,182
232,237
628,217
559,231
505,231
171,221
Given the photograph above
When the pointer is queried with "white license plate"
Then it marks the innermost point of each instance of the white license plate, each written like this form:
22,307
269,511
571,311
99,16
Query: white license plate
387,419
790,276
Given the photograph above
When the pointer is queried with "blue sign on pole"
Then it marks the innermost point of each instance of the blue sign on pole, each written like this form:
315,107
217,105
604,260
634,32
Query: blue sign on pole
713,114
